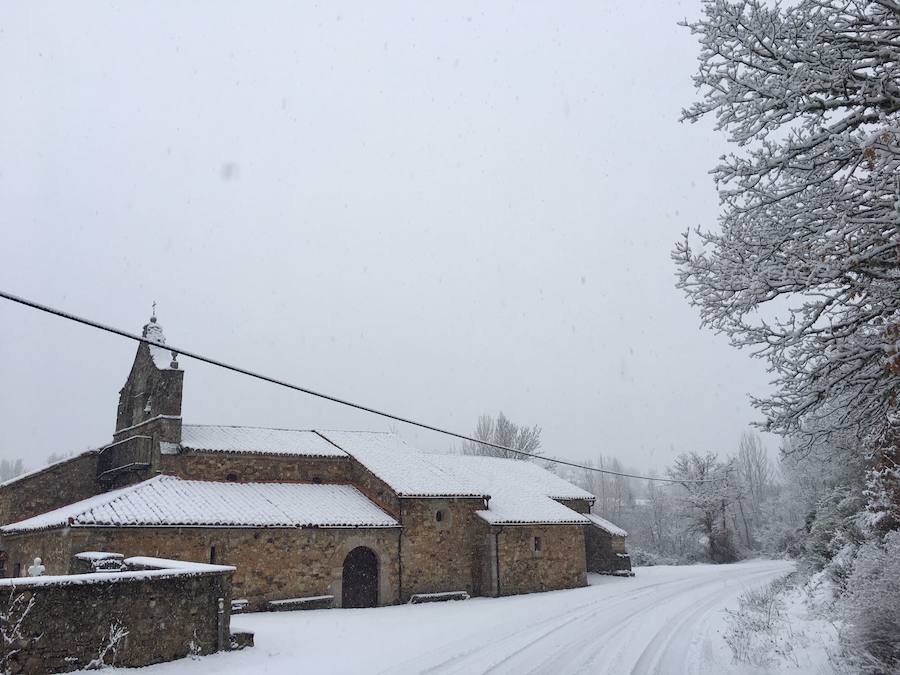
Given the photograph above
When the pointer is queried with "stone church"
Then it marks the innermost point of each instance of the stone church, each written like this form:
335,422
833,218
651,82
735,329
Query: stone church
311,517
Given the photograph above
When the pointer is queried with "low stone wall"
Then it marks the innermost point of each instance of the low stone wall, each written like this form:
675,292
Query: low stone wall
165,611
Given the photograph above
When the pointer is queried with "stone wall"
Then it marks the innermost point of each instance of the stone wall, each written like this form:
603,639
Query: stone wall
50,488
374,488
605,553
559,562
126,619
149,392
246,468
437,545
159,428
272,563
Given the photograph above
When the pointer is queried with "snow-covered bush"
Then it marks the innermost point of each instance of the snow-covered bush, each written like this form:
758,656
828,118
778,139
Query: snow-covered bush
871,606
757,633
643,558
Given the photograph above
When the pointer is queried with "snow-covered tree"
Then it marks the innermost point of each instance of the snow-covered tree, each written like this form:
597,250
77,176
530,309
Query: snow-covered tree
805,266
871,606
706,501
503,431
10,468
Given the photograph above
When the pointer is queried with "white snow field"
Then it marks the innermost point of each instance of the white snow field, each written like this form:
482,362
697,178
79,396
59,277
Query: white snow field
664,620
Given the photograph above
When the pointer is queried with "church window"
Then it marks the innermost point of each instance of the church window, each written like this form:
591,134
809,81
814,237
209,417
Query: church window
538,545
212,555
231,478
439,516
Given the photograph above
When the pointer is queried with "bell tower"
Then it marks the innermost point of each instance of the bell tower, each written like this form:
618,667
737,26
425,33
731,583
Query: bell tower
154,386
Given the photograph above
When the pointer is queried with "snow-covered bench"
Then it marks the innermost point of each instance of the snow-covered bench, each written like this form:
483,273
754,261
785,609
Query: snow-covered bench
311,602
438,597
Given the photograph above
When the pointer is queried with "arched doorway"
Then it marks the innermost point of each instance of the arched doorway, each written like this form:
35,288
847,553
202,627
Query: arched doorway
359,586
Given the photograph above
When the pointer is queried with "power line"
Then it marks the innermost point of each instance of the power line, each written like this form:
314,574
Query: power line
327,397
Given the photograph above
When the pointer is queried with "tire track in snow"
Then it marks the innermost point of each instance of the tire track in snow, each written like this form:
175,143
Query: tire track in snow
458,650
582,650
657,650
573,640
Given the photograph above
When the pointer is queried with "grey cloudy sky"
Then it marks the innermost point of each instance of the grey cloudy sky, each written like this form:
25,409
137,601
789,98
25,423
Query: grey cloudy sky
440,210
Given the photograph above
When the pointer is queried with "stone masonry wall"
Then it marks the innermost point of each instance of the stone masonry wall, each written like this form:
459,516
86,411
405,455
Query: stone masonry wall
149,392
126,620
52,487
247,468
560,563
374,488
603,549
437,554
53,547
272,563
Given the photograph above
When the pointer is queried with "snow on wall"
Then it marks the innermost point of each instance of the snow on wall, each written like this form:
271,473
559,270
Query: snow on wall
220,438
167,501
154,568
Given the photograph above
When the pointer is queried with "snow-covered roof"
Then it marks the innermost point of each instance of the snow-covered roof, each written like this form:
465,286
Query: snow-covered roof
521,491
607,526
524,475
256,440
162,357
407,471
167,501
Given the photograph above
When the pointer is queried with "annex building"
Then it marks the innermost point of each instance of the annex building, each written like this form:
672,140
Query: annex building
331,518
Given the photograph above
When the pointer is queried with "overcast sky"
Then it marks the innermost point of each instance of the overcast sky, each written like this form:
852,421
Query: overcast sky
440,211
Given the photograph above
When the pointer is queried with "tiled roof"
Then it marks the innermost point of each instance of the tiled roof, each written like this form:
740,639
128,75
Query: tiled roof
407,471
167,501
521,491
607,526
256,440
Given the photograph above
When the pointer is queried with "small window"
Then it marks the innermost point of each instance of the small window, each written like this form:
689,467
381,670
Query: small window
231,478
212,555
537,545
439,516
17,570
317,480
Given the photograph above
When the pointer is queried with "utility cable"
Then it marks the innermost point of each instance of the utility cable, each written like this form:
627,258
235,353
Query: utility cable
328,397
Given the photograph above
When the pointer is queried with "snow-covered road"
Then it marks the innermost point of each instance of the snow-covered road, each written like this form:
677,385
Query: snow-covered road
664,620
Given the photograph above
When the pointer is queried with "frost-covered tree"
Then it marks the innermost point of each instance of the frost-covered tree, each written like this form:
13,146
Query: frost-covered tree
503,431
706,501
805,266
10,468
